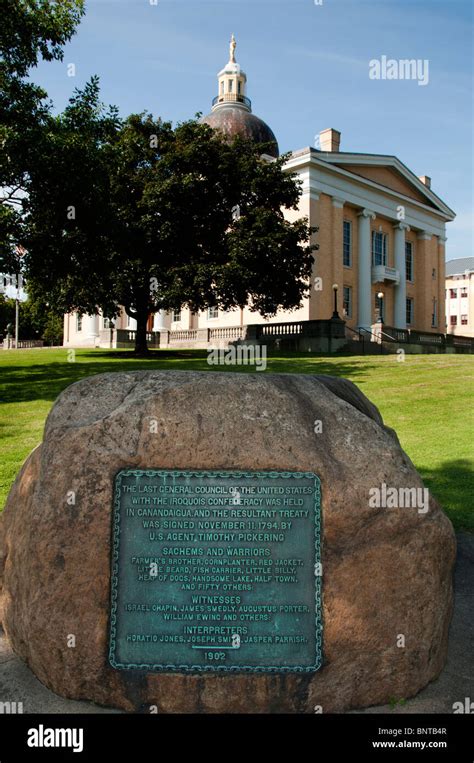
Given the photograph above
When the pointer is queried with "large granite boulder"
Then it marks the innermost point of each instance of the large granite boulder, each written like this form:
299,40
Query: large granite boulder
387,591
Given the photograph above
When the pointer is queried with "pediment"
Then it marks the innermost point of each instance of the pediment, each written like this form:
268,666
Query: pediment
390,178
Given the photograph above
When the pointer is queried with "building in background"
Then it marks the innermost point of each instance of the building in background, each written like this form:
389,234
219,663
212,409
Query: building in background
460,296
382,231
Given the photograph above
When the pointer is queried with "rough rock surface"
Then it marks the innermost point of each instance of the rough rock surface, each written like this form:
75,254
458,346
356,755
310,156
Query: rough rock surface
386,572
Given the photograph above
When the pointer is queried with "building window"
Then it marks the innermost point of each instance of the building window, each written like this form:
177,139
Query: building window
379,248
453,320
176,316
347,301
453,293
347,244
409,312
107,323
434,314
212,313
464,320
409,260
239,87
433,274
464,292
222,88
78,322
231,86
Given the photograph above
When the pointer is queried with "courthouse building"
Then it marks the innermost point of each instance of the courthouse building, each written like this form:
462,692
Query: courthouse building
460,296
382,237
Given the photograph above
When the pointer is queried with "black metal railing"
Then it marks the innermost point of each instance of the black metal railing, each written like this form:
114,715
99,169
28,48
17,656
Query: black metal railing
411,336
397,335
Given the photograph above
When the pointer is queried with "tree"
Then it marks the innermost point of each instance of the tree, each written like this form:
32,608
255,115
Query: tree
52,333
30,29
7,313
37,320
68,224
35,28
152,223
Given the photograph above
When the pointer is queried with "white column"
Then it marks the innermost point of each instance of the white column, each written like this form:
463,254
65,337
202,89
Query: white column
364,317
159,321
442,318
400,300
423,298
91,327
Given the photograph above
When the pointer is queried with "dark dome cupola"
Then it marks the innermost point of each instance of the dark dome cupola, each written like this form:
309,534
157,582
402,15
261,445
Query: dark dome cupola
232,110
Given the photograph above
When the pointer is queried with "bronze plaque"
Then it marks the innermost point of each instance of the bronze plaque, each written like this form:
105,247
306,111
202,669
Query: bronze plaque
216,571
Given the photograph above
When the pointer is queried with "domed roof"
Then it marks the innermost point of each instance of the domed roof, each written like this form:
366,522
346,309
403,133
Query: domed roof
232,110
235,121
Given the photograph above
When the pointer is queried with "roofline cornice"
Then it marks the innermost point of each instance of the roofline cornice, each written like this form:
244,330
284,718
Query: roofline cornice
308,157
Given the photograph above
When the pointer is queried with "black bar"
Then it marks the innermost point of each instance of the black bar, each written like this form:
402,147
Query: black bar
225,738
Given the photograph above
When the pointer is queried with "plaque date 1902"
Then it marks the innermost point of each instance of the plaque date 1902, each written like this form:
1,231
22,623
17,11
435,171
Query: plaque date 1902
216,571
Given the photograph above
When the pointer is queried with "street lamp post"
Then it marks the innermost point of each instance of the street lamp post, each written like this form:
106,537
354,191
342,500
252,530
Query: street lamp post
380,318
335,313
333,324
17,310
380,296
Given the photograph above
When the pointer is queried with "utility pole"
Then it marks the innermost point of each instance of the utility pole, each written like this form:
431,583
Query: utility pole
19,283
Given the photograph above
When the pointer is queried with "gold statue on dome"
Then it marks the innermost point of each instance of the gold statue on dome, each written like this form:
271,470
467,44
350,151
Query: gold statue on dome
233,46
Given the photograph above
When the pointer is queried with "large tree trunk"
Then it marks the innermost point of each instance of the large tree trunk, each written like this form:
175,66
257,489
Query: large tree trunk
141,347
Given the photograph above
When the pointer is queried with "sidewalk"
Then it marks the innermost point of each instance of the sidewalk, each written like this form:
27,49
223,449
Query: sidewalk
18,684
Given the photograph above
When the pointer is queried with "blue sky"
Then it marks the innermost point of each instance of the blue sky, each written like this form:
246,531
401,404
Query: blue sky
308,69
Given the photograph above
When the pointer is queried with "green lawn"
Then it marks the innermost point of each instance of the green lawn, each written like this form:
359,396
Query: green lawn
427,399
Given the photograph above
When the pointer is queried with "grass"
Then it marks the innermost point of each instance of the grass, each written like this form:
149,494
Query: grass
427,399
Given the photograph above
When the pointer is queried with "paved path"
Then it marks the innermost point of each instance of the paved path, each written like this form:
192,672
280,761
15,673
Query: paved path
18,684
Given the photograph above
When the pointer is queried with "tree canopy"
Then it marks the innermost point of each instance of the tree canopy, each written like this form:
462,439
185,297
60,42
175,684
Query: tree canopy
30,30
141,214
35,28
100,212
37,320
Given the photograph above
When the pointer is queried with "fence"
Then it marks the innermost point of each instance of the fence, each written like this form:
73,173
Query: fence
23,344
227,332
184,335
123,338
278,330
391,334
411,336
459,341
333,329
